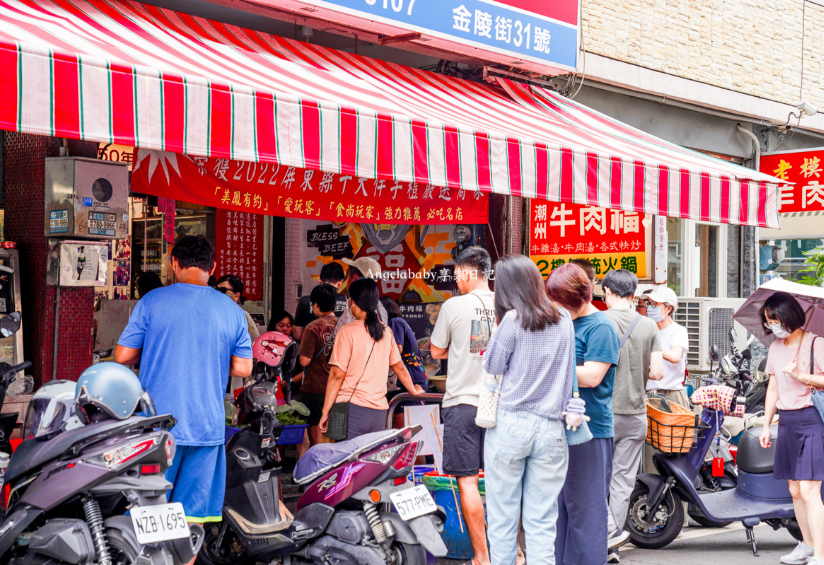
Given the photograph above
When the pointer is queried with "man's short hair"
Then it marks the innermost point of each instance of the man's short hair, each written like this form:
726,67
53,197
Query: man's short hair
332,273
324,296
587,266
475,259
620,282
194,251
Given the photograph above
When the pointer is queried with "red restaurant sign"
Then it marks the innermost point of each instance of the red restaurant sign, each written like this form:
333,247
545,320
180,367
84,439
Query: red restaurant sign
275,190
805,169
610,239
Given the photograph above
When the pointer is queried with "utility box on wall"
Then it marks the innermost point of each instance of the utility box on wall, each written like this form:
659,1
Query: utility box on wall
86,198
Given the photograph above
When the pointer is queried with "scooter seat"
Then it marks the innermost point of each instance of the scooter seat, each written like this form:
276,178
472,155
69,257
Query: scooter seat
752,458
33,453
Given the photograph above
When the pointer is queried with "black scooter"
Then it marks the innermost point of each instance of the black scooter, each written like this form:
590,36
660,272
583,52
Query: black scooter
70,493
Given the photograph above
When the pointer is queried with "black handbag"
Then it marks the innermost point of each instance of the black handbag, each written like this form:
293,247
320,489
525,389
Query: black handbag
338,424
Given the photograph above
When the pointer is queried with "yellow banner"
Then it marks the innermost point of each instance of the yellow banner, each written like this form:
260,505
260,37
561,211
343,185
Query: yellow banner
635,262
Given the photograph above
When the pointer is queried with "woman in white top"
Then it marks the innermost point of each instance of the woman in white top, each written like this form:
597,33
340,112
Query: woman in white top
661,304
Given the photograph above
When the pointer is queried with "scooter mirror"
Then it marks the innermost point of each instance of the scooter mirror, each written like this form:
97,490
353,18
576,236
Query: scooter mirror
714,353
9,324
733,334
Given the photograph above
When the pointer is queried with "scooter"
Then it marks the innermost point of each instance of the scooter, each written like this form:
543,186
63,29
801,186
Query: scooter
656,512
338,518
70,490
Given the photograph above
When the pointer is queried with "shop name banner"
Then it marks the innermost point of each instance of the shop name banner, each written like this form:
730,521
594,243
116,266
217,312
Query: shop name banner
610,239
278,190
239,249
803,168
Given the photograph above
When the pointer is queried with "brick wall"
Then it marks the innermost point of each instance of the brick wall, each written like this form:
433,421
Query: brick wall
749,46
23,176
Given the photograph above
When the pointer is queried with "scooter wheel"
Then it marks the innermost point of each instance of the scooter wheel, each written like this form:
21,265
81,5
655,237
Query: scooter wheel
409,554
230,551
663,526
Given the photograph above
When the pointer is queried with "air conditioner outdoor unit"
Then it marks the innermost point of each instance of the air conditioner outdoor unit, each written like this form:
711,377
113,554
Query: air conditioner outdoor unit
708,321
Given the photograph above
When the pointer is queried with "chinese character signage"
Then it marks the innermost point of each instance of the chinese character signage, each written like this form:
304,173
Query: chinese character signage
805,169
115,152
276,190
610,239
239,249
537,35
167,208
417,262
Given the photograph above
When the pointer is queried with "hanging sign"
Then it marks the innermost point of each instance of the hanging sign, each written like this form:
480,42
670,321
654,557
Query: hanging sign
167,208
535,35
610,239
239,249
276,190
804,173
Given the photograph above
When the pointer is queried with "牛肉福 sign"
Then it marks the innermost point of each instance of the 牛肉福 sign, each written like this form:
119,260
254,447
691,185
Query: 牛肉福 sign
609,239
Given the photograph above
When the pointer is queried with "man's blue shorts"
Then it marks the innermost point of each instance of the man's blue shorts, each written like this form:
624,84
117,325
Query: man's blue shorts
198,477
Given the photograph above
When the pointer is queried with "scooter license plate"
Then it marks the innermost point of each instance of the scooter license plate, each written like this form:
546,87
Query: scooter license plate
159,523
413,502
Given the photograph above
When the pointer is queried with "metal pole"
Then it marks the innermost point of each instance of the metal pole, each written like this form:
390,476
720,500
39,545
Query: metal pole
56,331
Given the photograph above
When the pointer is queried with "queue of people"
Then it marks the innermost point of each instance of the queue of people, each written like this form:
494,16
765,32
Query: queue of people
538,340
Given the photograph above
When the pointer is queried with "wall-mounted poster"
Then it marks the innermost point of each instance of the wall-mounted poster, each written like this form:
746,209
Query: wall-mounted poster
417,262
82,264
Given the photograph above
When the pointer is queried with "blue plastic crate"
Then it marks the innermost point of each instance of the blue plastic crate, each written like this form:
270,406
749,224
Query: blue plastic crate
292,434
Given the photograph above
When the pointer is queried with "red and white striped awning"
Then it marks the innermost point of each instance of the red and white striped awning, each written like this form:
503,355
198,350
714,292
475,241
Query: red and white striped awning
122,72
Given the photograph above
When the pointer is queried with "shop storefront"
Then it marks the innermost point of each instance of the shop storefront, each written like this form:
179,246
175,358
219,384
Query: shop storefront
239,130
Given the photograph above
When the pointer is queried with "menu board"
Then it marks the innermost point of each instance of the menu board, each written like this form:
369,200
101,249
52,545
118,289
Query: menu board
239,249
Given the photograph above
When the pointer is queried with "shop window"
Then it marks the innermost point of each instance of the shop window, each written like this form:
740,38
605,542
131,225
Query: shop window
784,257
675,255
706,261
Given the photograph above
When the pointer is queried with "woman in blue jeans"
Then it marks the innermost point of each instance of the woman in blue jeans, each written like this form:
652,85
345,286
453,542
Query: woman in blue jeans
525,455
582,518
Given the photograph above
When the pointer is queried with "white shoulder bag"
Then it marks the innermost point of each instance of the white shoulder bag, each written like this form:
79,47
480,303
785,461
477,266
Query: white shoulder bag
487,415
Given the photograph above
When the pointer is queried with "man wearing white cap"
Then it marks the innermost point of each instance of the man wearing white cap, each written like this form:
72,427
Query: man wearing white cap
662,303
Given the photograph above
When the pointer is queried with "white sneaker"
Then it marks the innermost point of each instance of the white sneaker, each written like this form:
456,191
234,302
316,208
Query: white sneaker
801,555
815,561
618,539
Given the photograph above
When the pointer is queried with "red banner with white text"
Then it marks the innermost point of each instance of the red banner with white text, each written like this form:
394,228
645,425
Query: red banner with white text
239,249
275,190
804,173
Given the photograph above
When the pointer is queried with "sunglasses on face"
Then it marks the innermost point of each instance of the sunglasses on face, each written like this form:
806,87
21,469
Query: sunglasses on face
223,289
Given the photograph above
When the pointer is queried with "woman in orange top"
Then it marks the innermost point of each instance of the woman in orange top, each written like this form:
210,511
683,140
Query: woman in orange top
363,352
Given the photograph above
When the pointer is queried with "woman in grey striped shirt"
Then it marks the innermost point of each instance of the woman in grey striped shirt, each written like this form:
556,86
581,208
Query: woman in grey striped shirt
525,455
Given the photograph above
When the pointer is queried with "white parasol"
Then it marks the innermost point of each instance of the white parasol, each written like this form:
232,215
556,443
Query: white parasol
811,299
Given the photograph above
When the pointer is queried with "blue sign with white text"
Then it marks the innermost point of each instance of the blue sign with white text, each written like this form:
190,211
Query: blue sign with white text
480,23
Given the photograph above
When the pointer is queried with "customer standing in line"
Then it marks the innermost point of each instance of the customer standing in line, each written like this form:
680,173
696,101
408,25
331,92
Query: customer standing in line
331,274
582,521
639,360
661,305
315,350
189,340
363,352
232,286
525,454
410,353
795,364
461,335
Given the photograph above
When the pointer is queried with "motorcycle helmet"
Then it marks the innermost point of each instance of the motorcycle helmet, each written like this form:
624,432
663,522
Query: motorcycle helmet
51,411
110,391
276,351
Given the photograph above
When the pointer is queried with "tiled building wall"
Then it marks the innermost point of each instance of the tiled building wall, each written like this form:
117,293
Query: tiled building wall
749,46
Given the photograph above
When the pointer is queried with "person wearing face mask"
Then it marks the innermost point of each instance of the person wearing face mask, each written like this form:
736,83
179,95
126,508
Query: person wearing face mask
795,364
661,304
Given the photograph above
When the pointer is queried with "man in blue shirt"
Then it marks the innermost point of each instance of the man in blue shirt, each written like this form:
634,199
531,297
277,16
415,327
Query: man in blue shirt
189,339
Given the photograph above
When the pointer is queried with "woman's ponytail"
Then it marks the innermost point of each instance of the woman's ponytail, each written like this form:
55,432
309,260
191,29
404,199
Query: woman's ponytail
364,293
